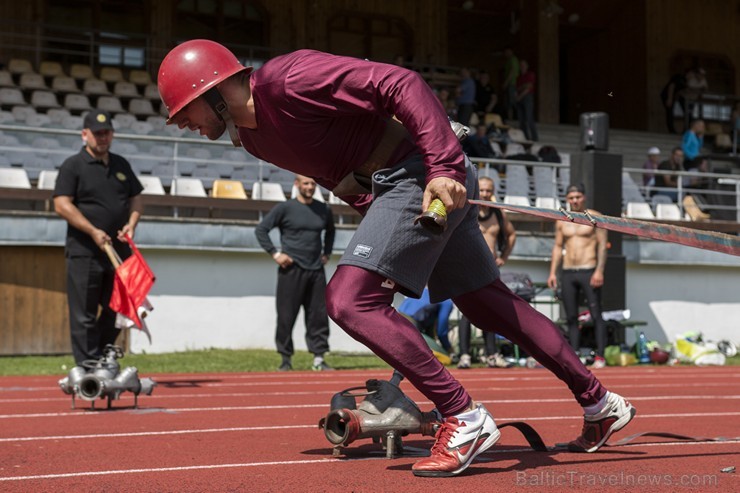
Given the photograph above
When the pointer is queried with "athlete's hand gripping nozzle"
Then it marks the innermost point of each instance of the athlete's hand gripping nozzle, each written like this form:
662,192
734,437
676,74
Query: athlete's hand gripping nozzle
434,218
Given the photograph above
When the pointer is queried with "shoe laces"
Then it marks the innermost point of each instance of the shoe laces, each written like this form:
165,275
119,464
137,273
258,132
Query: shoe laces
444,435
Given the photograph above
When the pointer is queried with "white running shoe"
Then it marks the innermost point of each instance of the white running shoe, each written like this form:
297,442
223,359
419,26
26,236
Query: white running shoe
464,362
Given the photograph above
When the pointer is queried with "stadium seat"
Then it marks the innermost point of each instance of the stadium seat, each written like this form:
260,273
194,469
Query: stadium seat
14,178
151,91
268,191
50,69
152,185
11,97
20,66
6,118
63,85
547,203
111,74
125,89
639,210
95,87
516,200
110,104
44,100
47,179
141,128
228,189
668,211
188,187
30,81
80,71
199,153
57,114
123,120
139,77
77,103
38,120
141,107
72,122
6,80
21,113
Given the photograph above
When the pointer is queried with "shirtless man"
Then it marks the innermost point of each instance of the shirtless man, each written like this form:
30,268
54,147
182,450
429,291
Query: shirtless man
498,240
583,270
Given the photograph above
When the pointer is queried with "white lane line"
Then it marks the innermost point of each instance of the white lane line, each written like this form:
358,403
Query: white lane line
481,459
209,395
499,419
174,410
491,375
156,433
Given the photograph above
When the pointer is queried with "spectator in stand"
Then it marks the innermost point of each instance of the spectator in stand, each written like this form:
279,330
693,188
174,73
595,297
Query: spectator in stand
652,162
443,94
525,85
479,144
692,142
549,154
696,85
673,93
511,73
666,184
697,181
485,96
465,97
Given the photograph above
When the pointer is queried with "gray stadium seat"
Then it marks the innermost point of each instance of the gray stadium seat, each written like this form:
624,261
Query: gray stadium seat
125,89
6,80
141,107
110,104
14,178
44,100
77,103
30,81
47,179
64,85
95,87
188,187
11,97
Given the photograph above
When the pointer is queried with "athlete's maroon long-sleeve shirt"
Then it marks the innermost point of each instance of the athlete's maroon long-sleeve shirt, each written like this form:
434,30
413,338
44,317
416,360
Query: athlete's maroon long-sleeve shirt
321,115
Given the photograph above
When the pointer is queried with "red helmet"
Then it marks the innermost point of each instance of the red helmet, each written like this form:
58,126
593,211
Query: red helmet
191,69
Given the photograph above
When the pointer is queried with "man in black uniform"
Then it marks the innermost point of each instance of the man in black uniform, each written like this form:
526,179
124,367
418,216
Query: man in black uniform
301,279
97,194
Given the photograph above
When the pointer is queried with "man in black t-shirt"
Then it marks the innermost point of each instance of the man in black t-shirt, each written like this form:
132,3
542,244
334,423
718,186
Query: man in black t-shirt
97,194
301,279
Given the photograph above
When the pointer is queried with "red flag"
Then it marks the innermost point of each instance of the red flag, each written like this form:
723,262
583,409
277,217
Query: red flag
132,283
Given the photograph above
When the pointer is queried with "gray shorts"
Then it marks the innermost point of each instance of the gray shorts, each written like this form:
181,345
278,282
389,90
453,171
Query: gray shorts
388,242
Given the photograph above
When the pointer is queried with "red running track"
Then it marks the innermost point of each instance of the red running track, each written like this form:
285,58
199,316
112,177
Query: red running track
257,432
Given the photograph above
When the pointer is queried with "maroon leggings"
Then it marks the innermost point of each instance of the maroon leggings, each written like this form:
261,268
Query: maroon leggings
358,303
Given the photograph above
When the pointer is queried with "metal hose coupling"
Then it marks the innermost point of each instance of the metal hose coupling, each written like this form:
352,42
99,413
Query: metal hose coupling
434,218
385,415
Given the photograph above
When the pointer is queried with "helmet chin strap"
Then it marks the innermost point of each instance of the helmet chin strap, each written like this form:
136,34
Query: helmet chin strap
219,106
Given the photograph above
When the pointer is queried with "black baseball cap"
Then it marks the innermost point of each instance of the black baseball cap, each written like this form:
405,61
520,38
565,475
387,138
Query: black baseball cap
98,120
